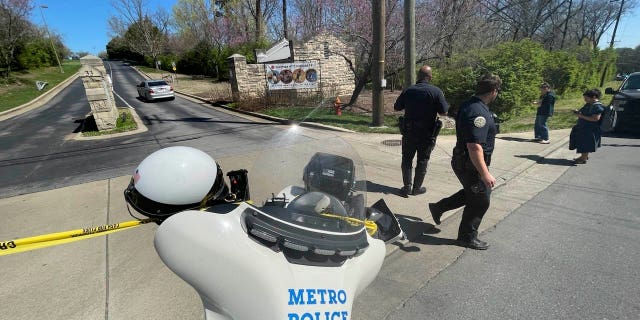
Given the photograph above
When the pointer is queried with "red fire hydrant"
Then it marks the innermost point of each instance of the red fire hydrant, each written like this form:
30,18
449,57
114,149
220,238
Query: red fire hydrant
337,105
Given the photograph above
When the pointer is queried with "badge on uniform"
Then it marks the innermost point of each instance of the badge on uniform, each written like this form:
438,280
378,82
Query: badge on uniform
479,122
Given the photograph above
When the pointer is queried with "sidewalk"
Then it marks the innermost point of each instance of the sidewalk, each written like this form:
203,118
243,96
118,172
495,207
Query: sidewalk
522,168
119,276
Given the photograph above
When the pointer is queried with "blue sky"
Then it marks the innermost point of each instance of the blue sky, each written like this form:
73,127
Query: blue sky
83,23
627,33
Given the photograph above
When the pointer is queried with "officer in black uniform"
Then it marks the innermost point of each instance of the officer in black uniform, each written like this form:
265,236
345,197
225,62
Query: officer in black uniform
475,132
421,103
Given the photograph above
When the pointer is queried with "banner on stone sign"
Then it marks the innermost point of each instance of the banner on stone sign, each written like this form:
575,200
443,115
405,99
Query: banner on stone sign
295,75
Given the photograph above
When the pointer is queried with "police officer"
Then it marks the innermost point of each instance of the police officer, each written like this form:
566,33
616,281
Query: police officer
421,103
475,132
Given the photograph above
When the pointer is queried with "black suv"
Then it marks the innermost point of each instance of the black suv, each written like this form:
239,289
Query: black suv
625,105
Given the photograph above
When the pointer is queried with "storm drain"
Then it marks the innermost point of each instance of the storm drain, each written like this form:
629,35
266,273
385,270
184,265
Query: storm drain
392,143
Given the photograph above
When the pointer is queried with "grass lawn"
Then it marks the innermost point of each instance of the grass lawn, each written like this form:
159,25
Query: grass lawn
23,87
207,88
563,117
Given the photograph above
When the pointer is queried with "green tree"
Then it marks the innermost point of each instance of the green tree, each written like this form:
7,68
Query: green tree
198,60
118,50
14,27
35,54
145,38
628,60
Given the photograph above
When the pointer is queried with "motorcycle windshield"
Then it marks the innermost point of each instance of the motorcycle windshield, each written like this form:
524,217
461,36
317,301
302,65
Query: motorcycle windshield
311,180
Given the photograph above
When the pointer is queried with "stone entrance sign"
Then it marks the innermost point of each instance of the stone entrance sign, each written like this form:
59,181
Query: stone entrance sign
98,87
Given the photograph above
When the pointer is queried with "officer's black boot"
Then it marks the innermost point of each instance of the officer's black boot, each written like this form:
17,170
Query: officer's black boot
468,232
472,242
436,212
406,180
417,181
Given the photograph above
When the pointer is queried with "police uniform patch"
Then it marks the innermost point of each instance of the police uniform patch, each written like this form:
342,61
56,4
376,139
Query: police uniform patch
479,122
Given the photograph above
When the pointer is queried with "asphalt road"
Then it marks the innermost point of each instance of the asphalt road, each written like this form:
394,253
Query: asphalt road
39,151
571,252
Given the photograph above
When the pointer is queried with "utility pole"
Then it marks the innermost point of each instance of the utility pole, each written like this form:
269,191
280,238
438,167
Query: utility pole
378,18
284,19
615,27
49,35
409,43
613,37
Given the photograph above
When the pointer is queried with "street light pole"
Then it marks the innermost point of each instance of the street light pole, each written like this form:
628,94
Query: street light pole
49,35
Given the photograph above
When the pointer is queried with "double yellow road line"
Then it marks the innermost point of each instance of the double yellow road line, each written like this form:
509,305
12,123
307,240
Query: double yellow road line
53,239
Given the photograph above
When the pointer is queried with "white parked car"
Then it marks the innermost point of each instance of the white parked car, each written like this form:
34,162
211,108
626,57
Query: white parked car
155,89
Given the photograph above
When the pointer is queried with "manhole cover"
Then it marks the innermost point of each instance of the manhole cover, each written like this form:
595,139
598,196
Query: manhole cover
392,143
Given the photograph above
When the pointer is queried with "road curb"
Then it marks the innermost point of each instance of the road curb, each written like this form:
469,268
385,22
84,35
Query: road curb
255,114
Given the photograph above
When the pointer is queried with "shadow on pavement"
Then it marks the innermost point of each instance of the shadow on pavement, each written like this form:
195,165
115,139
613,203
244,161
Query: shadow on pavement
378,188
624,135
434,241
421,232
148,120
515,139
620,145
543,160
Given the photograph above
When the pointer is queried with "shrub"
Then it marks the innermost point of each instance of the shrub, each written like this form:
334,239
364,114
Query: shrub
518,64
457,82
522,66
562,71
34,55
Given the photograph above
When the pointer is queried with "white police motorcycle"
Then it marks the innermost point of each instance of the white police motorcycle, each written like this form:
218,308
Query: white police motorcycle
301,247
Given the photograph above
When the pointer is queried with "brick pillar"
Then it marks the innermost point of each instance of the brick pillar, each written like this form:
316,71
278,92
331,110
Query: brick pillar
98,88
238,69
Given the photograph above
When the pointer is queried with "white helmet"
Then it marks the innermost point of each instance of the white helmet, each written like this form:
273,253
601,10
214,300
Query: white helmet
174,179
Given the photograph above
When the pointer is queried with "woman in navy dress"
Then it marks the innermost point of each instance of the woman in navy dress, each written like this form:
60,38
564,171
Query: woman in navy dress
587,135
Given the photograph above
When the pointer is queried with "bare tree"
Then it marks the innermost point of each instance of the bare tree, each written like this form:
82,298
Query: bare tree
351,21
454,25
260,12
14,26
566,25
143,32
194,19
593,21
522,18
444,27
307,18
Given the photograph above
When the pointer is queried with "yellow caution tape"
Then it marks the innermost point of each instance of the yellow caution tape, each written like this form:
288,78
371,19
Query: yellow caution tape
53,239
371,226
